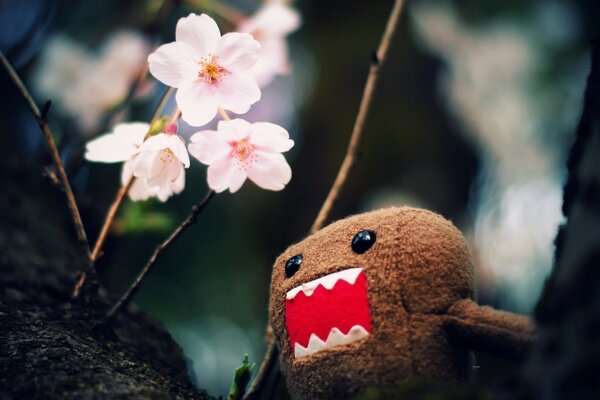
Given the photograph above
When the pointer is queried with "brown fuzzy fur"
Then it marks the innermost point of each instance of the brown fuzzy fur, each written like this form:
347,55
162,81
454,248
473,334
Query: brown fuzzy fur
417,271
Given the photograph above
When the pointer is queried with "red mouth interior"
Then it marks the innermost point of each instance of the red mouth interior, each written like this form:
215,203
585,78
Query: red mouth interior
342,307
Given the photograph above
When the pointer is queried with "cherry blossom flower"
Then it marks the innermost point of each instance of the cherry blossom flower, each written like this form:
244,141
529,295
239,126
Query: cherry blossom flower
270,25
162,159
125,145
208,70
76,79
240,150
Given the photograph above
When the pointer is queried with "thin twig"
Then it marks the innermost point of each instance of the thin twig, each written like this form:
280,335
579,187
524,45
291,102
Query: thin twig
191,219
263,372
114,208
377,62
378,59
42,120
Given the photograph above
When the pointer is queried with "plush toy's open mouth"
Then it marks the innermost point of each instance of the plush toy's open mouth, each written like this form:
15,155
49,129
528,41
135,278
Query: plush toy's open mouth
330,311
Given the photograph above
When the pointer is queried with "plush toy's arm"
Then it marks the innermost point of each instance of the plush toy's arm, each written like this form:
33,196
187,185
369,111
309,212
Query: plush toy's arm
485,329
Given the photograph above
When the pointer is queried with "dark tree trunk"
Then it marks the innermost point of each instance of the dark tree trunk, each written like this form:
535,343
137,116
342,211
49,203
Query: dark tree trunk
566,357
48,346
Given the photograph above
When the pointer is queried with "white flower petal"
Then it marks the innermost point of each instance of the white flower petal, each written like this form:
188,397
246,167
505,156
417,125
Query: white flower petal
139,190
196,104
178,148
179,183
199,32
127,171
134,132
237,51
272,61
118,146
270,138
208,146
237,92
147,164
223,174
174,64
270,171
167,174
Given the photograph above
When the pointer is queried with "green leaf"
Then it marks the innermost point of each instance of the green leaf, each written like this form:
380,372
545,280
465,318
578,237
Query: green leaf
138,216
241,378
158,126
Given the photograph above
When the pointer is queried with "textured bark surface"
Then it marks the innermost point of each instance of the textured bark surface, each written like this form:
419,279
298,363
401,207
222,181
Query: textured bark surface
566,357
49,348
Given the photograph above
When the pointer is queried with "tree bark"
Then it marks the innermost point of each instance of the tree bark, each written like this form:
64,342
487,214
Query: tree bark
565,358
52,348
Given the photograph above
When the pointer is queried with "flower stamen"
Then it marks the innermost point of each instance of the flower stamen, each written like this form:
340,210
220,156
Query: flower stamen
211,72
166,156
242,150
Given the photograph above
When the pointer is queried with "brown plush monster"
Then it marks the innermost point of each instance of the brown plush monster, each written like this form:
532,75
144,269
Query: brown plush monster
377,298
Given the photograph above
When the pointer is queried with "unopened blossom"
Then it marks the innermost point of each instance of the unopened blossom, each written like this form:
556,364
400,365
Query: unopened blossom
270,25
240,150
162,159
124,145
208,70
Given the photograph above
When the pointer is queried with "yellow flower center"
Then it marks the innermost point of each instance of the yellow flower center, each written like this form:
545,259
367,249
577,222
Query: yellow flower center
166,156
210,70
243,150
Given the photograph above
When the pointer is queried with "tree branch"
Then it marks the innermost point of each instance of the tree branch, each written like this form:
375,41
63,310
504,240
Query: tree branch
114,208
377,61
191,219
41,118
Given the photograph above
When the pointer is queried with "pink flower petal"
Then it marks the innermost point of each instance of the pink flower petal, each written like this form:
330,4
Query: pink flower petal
237,51
169,173
270,171
199,32
196,103
234,130
208,146
174,64
272,19
141,191
223,174
237,92
270,138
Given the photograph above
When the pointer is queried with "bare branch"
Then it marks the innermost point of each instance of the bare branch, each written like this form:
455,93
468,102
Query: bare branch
114,208
41,118
377,61
191,219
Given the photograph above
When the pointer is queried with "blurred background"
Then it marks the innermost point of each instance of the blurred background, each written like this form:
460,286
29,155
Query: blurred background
473,118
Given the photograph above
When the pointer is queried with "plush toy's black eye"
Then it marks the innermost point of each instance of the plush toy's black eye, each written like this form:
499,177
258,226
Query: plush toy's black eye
293,265
363,241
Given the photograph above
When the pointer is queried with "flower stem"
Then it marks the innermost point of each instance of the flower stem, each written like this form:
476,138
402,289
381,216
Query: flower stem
224,114
42,120
268,364
190,219
114,208
226,12
377,62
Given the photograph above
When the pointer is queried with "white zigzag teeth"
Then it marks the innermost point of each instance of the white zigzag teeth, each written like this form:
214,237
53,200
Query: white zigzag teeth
335,338
328,281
